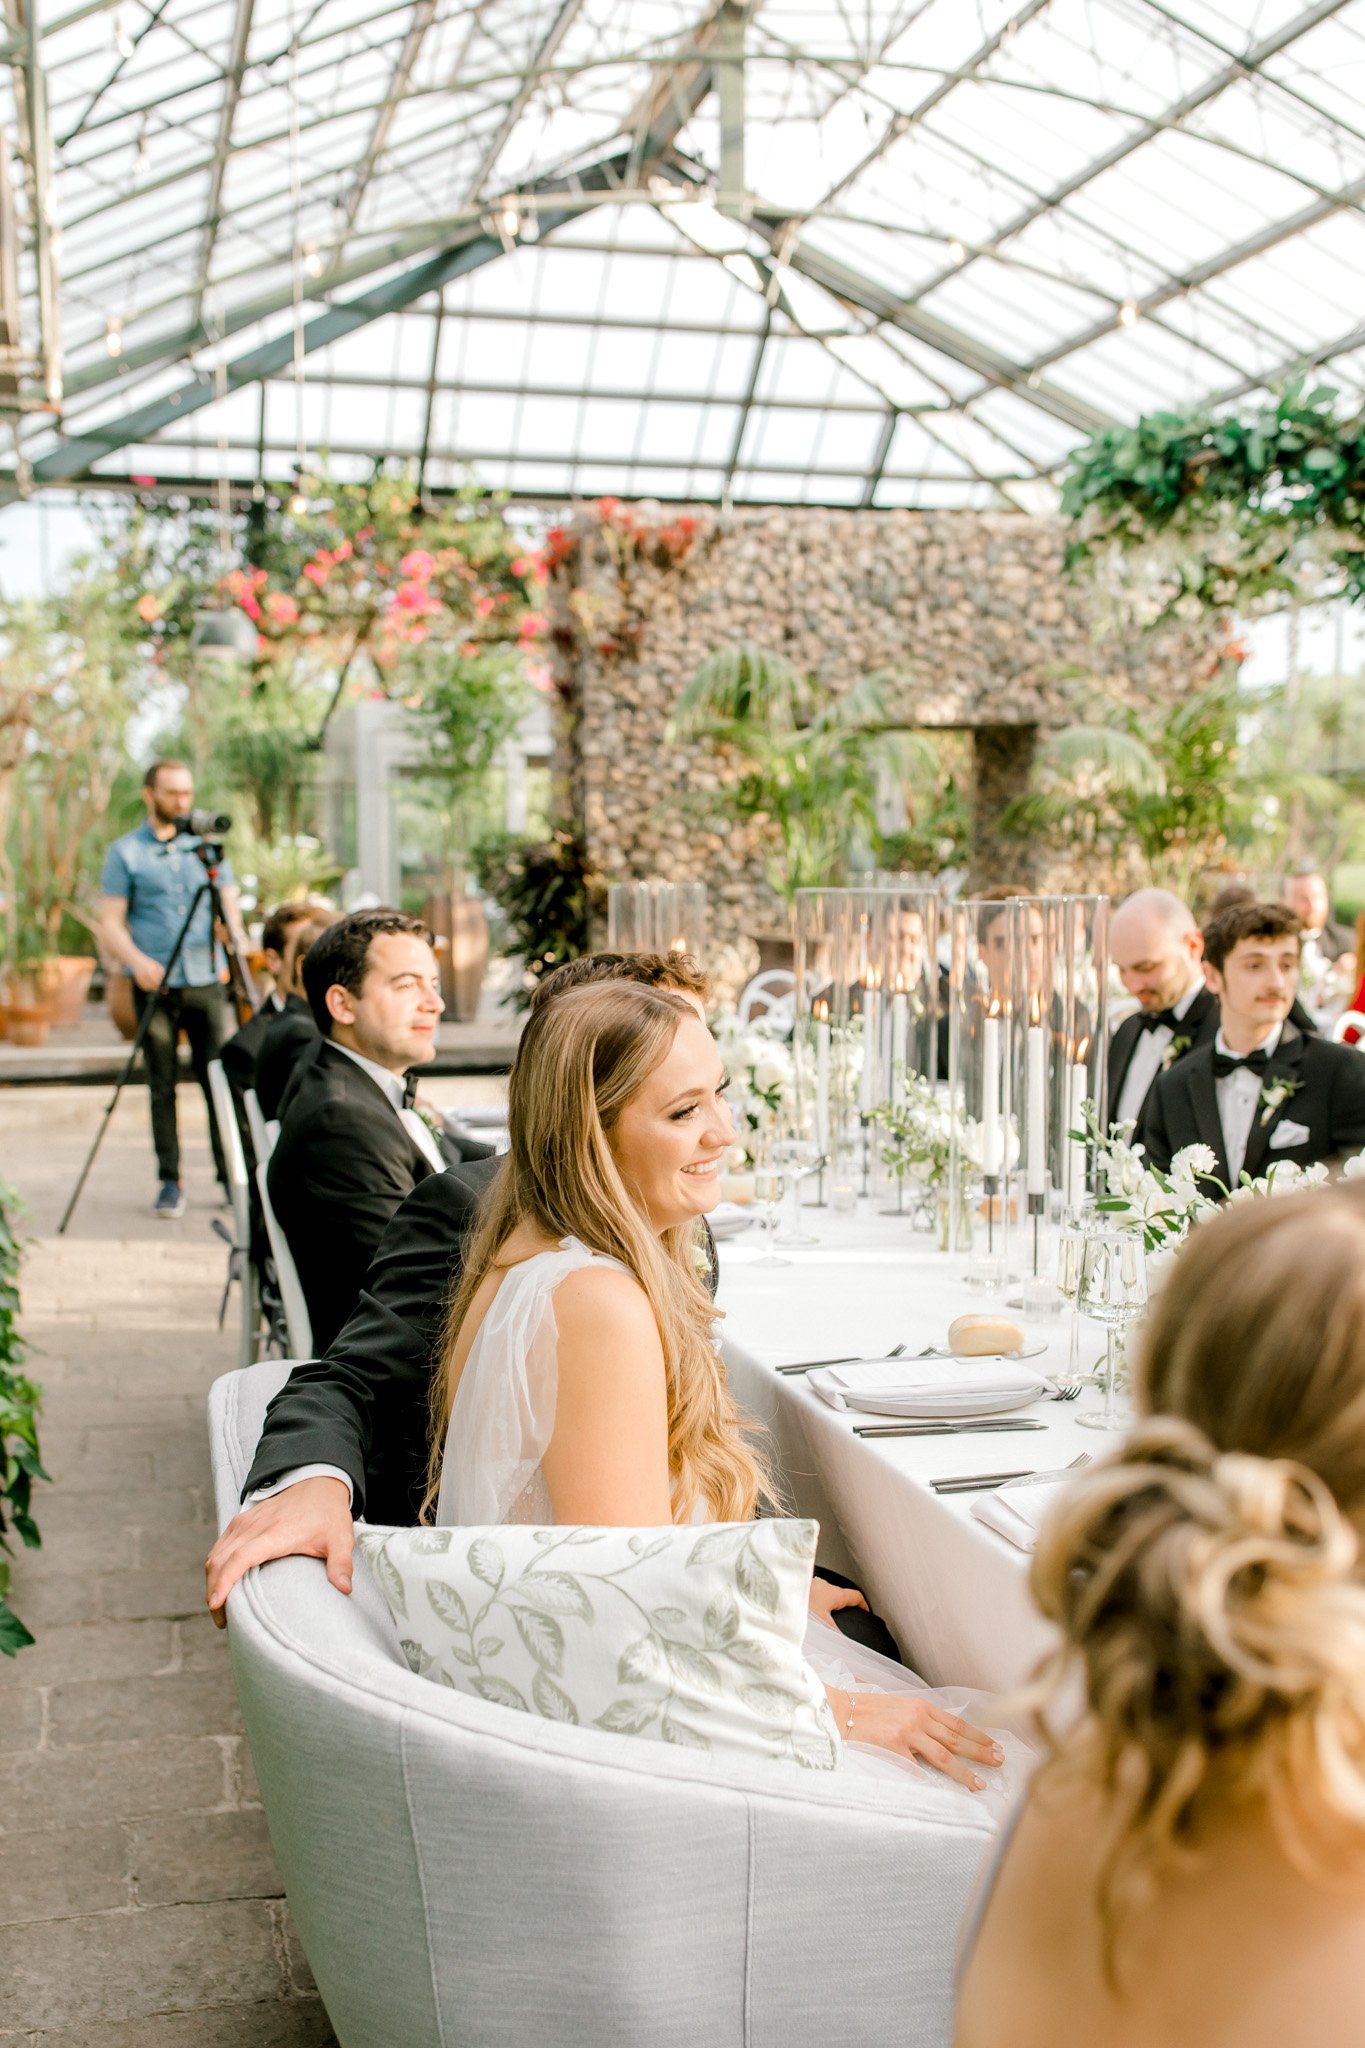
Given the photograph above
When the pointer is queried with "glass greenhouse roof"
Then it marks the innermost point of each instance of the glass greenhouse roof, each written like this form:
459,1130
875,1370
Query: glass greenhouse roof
863,253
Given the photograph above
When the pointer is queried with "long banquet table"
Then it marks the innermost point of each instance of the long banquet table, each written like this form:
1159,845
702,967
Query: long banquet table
954,1593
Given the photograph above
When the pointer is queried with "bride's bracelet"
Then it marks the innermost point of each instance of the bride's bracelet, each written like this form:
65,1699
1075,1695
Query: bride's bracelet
848,1725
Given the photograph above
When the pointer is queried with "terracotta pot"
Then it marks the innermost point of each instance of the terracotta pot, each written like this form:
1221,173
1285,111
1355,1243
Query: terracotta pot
461,930
71,986
118,995
29,1023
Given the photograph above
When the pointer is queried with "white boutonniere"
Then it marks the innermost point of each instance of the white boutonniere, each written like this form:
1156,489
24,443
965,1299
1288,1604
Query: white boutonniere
1274,1095
431,1120
1174,1050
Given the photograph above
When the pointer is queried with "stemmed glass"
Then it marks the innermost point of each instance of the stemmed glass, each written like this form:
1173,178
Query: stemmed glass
1112,1290
769,1181
797,1157
1071,1241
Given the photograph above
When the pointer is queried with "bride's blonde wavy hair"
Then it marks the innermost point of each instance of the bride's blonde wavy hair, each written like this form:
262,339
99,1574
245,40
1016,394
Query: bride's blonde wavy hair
582,1058
1207,1578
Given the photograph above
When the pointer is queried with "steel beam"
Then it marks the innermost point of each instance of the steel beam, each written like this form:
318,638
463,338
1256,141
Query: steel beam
544,55
1147,131
423,15
232,93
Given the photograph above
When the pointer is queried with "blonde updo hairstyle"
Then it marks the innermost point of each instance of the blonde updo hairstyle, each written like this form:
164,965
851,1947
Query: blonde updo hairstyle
1207,1577
582,1058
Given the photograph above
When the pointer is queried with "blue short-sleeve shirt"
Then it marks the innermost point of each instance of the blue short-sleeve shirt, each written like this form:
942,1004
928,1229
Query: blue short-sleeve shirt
159,877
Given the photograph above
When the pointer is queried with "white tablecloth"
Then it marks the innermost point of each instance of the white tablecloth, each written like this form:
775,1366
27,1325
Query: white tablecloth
952,1591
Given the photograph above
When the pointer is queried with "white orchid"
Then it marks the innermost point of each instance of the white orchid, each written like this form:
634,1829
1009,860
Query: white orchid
1354,1169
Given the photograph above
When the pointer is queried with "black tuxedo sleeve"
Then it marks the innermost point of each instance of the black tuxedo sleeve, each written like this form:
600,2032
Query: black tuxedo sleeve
1152,1132
285,1045
363,1406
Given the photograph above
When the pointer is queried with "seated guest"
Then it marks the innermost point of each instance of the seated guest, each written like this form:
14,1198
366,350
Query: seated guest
242,1050
1306,895
1352,1033
292,1033
1158,950
1188,1870
1261,1090
579,1382
349,1147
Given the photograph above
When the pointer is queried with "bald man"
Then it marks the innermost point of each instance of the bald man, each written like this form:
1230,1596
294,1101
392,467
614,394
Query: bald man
1158,950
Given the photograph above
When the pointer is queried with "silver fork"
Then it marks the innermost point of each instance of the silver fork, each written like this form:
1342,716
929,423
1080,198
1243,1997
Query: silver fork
1068,1393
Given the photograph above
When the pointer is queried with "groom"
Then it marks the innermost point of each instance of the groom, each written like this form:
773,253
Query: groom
1261,1091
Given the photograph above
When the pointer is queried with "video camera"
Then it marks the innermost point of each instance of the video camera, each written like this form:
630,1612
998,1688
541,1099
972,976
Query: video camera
203,824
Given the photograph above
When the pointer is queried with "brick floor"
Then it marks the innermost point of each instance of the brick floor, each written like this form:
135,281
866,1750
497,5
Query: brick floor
140,1905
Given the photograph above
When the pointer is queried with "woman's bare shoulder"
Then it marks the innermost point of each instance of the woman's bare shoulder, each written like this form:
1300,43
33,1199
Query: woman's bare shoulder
600,1299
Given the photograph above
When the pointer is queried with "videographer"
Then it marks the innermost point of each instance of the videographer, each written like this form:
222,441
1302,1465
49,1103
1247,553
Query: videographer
149,882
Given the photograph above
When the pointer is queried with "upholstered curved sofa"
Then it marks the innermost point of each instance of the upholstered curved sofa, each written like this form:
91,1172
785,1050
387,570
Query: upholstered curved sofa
464,1876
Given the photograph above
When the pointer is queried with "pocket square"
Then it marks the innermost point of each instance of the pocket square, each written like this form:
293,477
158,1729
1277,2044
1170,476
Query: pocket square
1286,1134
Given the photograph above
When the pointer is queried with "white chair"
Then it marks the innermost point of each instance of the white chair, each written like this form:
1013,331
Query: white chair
773,993
240,1267
297,1324
1345,1022
263,1134
463,1873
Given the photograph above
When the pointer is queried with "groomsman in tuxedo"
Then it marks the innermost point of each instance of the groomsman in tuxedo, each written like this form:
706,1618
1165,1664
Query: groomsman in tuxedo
1158,950
291,1035
1261,1090
241,1052
351,1144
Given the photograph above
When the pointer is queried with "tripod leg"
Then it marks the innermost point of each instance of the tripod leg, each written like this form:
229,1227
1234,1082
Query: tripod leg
144,1024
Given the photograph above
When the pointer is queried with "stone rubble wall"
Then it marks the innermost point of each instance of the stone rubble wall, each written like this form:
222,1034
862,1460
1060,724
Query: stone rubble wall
970,610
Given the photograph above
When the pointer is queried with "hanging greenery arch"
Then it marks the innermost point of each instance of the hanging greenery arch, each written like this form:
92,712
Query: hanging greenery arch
1187,513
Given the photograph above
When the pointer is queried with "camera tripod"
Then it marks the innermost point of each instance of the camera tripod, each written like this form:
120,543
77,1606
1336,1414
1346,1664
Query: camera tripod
240,986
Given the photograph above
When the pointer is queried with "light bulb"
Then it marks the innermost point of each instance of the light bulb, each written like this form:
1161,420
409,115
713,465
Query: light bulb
1128,313
312,261
298,505
957,251
113,336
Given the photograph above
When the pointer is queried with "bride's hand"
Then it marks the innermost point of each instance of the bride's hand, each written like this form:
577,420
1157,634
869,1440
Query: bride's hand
826,1598
917,1727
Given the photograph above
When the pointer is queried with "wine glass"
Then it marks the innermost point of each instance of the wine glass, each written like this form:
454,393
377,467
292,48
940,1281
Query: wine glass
1071,1241
1112,1290
796,1157
769,1181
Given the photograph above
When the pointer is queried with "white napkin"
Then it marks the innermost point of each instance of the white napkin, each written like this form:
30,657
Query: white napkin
728,1219
928,1386
1017,1512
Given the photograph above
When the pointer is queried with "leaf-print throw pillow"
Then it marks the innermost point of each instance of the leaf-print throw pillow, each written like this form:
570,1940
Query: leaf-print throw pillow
690,1635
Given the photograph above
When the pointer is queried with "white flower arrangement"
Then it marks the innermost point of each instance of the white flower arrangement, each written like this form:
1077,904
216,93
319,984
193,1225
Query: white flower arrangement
1169,1205
762,1072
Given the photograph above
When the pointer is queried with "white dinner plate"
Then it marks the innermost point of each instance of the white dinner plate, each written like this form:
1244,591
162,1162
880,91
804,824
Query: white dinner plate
728,1219
874,1387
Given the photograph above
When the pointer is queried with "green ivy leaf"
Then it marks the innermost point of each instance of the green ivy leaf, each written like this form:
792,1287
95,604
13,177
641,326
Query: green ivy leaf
447,1605
501,1692
627,1717
554,1593
553,1703
757,1582
486,1561
542,1635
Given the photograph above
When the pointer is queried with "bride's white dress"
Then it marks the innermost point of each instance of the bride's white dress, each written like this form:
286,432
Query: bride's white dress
501,1424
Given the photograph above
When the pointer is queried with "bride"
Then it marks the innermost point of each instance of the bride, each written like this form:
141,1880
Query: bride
580,1381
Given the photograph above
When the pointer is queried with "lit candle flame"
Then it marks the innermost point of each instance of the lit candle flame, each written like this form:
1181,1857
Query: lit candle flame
821,1010
1081,1050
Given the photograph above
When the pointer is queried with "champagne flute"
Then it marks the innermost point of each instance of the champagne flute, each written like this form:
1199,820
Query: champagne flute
1071,1239
769,1182
1112,1290
796,1157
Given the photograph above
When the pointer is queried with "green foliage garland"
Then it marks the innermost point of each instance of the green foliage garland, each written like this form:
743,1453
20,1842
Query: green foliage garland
20,1463
1217,512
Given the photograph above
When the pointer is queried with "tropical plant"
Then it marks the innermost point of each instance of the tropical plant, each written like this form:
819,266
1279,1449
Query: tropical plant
806,762
20,1463
469,705
1171,795
1187,513
548,895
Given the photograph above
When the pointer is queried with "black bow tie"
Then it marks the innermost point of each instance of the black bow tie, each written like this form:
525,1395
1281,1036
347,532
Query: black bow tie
1225,1063
409,1090
1151,1019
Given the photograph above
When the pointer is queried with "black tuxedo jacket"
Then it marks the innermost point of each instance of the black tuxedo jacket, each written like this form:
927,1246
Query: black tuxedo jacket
363,1408
243,1049
290,1036
1327,1096
1199,1025
342,1164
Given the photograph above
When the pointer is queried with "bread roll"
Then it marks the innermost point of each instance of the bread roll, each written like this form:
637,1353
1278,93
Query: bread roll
981,1336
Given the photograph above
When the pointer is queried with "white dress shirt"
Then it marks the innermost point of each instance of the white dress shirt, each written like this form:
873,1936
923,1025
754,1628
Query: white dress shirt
1238,1095
1148,1054
392,1085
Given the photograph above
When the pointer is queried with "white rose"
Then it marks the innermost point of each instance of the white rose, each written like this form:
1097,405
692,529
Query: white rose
768,1073
1354,1169
1191,1160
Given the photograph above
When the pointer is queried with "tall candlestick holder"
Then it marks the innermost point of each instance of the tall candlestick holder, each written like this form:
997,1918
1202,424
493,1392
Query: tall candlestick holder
868,1011
657,917
982,1070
